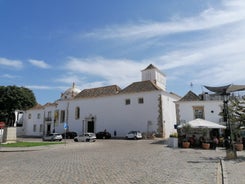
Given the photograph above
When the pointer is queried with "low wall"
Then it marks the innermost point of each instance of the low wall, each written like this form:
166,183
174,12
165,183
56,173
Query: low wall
9,135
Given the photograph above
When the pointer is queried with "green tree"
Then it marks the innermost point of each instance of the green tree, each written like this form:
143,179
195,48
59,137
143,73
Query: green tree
14,98
236,111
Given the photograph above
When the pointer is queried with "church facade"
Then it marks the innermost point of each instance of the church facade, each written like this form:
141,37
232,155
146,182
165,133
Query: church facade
144,105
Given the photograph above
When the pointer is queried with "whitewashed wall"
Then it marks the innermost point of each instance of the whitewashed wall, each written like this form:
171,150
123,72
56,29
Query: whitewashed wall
110,113
28,125
211,110
169,113
61,106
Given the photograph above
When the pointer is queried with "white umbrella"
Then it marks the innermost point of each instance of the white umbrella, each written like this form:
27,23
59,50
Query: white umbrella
201,123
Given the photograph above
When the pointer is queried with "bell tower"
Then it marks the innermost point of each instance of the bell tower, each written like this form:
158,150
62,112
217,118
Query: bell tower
155,75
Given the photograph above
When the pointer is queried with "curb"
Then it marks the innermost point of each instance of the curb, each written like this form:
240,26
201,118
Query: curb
223,172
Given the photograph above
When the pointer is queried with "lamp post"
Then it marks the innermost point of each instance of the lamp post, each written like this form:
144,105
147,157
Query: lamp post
224,91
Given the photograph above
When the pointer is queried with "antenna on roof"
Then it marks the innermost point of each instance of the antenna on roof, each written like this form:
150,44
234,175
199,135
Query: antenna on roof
191,85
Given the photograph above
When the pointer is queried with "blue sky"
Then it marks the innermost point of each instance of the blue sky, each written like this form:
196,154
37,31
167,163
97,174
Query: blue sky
46,45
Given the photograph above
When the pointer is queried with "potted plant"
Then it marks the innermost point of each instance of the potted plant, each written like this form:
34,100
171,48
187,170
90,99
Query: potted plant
205,144
186,130
173,140
239,144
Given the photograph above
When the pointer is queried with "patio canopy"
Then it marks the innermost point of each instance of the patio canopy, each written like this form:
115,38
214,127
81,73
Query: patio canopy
201,123
224,90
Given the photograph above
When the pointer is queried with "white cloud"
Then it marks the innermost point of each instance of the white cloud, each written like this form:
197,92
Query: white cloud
47,87
114,71
39,63
68,79
8,76
80,82
206,20
215,56
223,73
11,63
40,87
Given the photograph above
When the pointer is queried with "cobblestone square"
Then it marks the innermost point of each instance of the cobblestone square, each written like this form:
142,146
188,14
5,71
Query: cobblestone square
110,162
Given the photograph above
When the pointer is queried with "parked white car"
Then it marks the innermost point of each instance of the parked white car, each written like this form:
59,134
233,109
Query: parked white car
134,135
87,137
52,137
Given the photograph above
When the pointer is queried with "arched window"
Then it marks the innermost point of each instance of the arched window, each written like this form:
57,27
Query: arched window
77,113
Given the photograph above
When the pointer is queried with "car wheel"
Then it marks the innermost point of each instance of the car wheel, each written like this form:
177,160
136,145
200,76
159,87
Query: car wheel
75,140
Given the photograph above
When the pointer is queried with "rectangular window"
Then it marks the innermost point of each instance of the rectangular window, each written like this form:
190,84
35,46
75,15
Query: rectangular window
48,117
127,101
140,100
62,116
38,116
198,112
77,113
41,128
49,114
34,128
29,116
56,115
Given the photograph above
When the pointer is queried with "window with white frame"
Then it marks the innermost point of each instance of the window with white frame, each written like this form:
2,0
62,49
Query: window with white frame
198,112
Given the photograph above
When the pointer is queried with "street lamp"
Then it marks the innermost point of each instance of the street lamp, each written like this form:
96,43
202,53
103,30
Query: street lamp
225,91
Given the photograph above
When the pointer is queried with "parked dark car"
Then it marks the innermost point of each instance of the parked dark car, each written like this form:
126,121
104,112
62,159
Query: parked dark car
69,135
103,135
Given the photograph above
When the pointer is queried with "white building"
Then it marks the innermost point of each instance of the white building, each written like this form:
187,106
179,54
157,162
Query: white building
205,106
145,106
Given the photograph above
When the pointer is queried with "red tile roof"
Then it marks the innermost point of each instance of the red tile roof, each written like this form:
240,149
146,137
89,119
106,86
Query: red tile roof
190,96
142,86
98,92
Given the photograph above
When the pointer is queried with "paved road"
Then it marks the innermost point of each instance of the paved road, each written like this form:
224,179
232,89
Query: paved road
110,162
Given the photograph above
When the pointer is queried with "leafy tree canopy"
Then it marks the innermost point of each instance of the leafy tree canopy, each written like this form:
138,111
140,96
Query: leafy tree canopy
15,98
237,110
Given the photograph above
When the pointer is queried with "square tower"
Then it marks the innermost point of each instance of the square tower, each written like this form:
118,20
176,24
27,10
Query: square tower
155,75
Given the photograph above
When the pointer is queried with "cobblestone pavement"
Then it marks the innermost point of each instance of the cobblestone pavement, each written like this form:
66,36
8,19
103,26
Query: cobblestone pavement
235,169
111,162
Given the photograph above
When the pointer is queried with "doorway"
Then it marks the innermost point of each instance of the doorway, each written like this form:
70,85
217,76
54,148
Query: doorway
48,129
90,127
